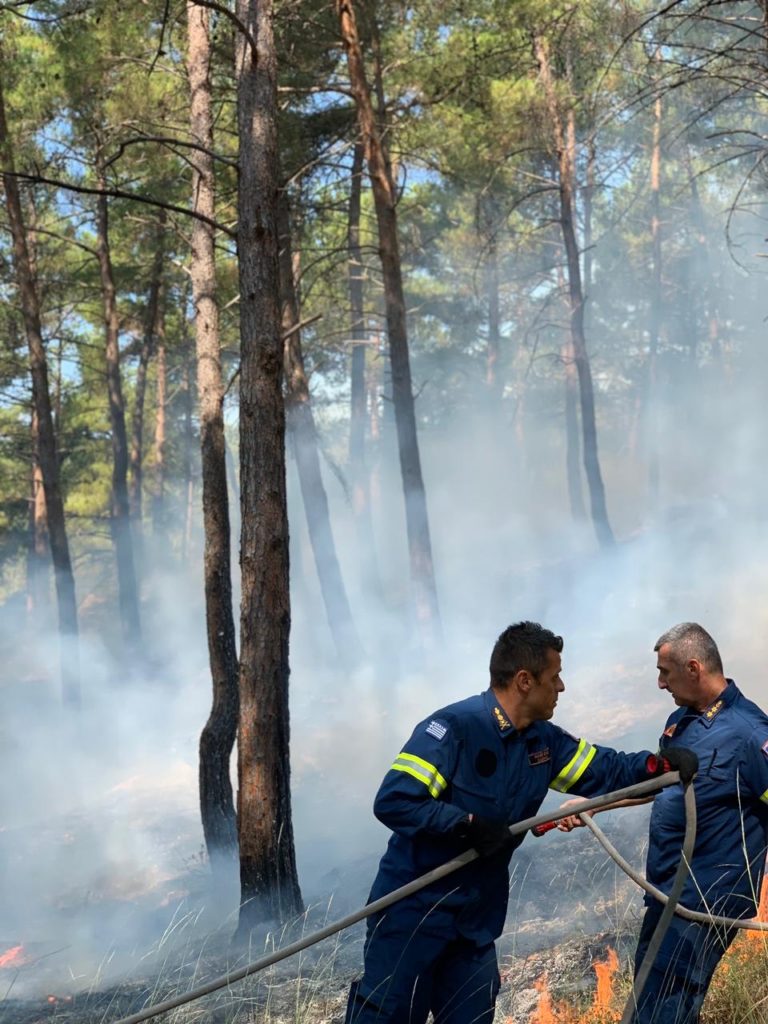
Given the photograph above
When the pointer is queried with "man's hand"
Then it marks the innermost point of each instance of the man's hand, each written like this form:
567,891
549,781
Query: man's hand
487,837
572,821
673,759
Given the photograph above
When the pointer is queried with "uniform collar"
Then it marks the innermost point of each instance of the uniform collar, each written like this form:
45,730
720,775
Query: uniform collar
722,701
498,714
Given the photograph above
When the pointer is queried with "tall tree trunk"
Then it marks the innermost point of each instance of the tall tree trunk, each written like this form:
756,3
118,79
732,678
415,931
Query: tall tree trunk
152,316
159,470
218,736
41,398
417,520
565,151
572,440
358,468
37,550
711,290
120,521
649,420
188,445
269,882
301,428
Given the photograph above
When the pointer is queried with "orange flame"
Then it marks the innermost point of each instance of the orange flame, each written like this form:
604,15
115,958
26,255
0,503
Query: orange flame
547,1012
605,970
762,911
12,957
544,1013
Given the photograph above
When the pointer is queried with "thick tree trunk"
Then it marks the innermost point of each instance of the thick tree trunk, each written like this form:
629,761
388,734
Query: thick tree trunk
41,398
565,151
301,428
268,877
120,511
218,736
358,468
417,520
152,316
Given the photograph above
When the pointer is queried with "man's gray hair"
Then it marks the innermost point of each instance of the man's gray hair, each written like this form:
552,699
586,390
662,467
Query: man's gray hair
690,640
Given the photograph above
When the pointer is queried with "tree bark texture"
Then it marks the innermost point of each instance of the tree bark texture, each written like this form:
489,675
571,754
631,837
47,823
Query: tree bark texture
152,317
301,429
566,171
46,435
268,877
120,521
217,739
417,519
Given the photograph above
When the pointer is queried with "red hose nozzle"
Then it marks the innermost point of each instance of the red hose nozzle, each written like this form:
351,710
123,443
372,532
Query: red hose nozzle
539,830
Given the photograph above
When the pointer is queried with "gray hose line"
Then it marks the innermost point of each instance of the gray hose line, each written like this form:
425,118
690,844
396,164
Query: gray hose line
638,790
689,915
681,875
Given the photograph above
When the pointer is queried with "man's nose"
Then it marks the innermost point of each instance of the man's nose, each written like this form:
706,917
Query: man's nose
560,686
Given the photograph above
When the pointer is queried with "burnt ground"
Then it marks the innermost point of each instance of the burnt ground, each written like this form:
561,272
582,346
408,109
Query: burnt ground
566,909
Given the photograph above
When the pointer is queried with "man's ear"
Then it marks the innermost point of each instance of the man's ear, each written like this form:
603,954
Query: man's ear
522,680
693,668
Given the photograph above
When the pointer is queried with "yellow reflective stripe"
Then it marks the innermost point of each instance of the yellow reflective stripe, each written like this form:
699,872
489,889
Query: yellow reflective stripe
764,797
575,767
421,770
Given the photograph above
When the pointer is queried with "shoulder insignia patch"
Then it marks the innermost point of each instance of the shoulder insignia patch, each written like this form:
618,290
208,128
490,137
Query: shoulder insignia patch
437,729
713,709
539,756
670,730
501,718
765,748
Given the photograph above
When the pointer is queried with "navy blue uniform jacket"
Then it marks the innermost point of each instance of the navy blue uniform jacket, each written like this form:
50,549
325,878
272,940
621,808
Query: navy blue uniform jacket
469,758
731,740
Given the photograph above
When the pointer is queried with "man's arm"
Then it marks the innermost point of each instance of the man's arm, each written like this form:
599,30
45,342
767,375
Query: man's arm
411,798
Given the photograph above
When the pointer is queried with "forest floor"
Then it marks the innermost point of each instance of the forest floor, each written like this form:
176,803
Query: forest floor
564,916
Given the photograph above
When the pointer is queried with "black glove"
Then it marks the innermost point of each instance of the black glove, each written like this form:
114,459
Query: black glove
673,759
487,837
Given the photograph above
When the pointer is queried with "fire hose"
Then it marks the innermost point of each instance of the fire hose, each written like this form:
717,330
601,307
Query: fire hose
548,818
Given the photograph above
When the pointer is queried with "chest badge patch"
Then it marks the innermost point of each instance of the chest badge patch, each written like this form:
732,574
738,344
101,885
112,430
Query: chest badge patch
539,756
436,729
501,718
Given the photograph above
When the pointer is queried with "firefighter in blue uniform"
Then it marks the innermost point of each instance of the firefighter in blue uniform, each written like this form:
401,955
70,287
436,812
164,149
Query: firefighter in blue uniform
466,773
729,733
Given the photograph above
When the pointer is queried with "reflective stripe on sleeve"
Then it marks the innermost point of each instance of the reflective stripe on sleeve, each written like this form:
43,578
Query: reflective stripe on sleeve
764,797
421,770
575,767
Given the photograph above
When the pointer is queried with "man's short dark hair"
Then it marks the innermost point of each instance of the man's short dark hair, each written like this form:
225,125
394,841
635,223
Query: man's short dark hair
524,645
690,640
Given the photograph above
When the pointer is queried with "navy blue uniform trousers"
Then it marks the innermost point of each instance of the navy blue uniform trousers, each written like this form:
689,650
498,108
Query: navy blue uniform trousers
416,962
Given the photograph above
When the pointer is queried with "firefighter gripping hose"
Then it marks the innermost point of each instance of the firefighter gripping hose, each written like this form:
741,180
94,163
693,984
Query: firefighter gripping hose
641,789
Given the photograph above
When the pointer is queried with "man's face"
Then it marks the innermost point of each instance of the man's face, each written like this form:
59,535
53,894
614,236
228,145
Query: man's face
546,688
681,680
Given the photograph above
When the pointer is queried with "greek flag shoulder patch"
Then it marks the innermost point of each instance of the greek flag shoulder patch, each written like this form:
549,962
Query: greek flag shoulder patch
436,729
